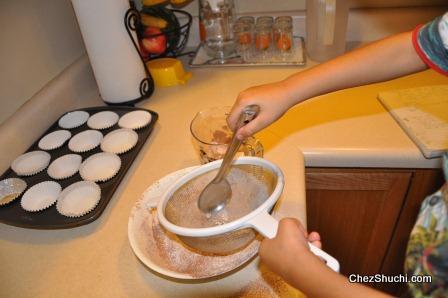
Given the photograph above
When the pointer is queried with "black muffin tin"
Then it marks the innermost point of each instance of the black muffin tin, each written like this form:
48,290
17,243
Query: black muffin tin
13,214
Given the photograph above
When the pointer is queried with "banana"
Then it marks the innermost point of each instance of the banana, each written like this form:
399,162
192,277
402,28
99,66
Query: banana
151,21
152,2
177,2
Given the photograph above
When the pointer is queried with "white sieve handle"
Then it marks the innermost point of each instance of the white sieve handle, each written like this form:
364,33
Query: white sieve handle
267,226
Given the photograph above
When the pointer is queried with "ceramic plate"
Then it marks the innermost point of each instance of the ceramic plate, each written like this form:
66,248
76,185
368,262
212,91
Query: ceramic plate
162,252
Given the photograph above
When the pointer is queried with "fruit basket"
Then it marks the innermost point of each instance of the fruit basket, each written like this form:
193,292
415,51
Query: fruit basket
160,32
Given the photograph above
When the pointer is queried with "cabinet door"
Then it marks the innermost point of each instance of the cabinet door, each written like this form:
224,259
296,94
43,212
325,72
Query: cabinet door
355,211
424,182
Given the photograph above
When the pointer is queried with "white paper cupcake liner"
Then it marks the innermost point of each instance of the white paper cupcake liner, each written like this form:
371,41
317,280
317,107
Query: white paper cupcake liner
119,141
54,140
73,119
100,167
78,199
65,166
103,120
135,120
85,141
11,189
31,163
40,196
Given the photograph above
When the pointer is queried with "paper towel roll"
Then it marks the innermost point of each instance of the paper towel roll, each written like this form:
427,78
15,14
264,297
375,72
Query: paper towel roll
116,64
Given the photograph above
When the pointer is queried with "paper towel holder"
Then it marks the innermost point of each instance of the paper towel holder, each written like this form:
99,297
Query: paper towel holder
147,84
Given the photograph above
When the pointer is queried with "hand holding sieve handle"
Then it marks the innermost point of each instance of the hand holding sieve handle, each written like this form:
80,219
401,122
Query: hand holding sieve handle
267,226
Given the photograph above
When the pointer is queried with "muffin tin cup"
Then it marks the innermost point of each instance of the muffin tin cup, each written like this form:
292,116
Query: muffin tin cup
103,120
78,199
31,163
119,141
54,140
65,166
13,214
73,119
40,196
11,189
85,141
135,120
100,167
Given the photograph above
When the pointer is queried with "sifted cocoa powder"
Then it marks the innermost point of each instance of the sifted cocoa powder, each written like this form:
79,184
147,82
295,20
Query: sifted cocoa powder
165,249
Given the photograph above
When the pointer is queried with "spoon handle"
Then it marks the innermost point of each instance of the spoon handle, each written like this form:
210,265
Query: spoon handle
247,115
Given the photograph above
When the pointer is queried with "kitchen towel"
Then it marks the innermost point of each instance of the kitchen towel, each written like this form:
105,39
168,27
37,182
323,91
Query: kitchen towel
423,114
116,64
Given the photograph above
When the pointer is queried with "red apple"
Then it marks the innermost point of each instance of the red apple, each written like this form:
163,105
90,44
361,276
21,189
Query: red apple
143,51
152,42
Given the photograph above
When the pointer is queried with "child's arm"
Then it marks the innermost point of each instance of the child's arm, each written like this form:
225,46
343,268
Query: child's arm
289,256
380,61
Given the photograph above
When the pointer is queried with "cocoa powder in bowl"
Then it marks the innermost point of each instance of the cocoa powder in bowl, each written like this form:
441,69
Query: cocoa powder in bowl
251,187
167,251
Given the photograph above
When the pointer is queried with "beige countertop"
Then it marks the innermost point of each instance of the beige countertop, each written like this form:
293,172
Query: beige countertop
343,129
96,260
348,128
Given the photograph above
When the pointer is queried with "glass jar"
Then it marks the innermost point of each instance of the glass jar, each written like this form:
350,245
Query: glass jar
263,37
216,20
244,30
243,38
283,36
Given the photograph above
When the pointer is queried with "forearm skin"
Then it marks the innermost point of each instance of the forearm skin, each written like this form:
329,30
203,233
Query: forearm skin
380,61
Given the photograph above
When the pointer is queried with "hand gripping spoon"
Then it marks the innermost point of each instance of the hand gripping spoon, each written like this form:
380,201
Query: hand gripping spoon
218,192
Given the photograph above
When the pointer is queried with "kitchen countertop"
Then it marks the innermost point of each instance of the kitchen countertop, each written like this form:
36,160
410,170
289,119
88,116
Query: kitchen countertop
96,260
344,129
348,128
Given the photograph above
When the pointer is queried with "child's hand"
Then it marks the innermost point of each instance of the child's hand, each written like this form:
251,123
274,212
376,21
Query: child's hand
273,100
289,248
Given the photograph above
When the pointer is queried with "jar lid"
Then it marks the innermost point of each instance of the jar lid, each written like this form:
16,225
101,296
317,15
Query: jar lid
265,20
247,19
242,27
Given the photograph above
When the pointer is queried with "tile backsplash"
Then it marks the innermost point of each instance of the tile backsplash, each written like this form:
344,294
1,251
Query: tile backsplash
364,24
260,6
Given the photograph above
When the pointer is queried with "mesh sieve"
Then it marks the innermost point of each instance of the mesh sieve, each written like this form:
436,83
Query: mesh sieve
251,186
